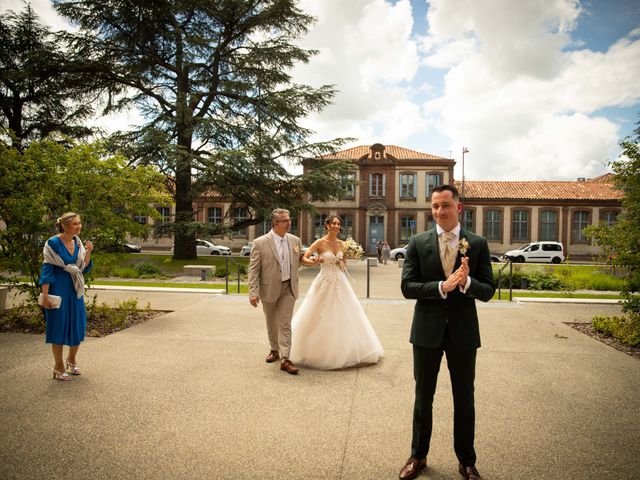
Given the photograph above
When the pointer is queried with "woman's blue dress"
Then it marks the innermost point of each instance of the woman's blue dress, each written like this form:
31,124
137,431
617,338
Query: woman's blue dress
65,325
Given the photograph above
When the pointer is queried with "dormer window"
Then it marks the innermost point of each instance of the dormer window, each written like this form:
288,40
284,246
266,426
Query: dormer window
377,156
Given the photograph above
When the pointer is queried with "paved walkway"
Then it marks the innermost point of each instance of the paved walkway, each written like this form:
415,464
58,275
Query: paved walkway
188,396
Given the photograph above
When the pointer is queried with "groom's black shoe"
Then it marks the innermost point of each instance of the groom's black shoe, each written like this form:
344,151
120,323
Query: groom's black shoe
469,473
288,367
412,468
273,356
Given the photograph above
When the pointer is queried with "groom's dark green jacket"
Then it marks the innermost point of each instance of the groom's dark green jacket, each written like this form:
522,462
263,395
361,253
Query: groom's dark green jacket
421,275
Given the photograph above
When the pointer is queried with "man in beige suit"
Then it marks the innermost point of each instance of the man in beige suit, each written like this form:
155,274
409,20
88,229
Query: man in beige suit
273,278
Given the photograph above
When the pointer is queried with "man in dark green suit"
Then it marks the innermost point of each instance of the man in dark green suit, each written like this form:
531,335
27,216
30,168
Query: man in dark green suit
446,269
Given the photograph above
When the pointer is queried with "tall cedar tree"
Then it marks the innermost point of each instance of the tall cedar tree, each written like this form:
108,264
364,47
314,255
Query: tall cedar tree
41,89
212,79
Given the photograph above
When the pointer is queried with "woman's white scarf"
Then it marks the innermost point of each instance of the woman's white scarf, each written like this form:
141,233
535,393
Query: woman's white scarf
74,269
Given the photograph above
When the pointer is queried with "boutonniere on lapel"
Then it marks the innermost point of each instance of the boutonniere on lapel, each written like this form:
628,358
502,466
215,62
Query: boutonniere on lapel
463,247
296,249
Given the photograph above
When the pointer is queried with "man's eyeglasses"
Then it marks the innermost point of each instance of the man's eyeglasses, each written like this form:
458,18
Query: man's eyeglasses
288,220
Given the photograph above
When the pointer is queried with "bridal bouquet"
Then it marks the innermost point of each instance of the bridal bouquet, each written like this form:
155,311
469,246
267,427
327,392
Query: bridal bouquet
353,249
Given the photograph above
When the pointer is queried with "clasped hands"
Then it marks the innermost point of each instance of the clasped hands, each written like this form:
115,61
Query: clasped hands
458,278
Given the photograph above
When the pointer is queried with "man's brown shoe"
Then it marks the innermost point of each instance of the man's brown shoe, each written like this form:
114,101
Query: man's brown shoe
412,468
288,367
469,473
273,356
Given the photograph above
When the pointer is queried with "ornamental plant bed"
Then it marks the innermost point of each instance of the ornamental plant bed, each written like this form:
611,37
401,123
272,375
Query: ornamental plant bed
588,329
102,320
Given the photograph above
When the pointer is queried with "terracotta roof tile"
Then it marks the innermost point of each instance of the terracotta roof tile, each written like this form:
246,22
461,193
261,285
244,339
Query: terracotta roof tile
399,153
595,189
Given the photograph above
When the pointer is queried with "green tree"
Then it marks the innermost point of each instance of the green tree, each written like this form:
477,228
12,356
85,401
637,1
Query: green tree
621,241
213,81
41,90
47,179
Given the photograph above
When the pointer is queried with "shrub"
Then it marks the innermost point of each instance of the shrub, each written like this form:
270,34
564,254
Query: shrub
147,269
124,272
545,281
625,329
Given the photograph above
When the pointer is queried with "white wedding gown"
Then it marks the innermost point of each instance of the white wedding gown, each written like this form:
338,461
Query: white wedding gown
331,329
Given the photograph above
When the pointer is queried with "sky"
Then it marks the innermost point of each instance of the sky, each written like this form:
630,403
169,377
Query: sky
534,89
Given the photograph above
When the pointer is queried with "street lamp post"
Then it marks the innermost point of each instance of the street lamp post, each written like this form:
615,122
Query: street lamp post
464,150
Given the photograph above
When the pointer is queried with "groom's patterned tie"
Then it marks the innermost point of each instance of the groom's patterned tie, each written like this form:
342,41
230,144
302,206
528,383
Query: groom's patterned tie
447,252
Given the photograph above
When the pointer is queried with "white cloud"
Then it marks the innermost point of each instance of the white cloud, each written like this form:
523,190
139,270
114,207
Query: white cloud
527,108
367,52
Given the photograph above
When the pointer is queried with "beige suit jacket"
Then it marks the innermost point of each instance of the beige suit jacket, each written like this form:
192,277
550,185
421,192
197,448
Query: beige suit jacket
265,273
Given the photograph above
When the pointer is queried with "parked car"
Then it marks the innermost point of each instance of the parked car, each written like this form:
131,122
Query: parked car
204,247
246,250
132,248
398,253
540,252
495,258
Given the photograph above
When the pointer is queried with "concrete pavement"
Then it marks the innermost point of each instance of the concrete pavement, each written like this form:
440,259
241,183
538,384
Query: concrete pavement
187,395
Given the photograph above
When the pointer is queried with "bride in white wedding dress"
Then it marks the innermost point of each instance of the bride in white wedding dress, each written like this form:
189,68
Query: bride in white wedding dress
330,328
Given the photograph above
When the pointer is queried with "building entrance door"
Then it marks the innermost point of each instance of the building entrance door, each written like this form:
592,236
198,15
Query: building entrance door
376,233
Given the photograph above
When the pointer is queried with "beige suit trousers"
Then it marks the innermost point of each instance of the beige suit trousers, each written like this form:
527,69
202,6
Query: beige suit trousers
278,315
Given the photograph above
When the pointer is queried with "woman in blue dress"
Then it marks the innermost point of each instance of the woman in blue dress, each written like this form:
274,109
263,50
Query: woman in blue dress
66,260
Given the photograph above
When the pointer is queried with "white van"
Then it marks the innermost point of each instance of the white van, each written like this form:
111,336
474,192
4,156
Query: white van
538,252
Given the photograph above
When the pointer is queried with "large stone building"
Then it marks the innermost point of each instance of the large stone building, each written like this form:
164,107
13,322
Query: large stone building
391,202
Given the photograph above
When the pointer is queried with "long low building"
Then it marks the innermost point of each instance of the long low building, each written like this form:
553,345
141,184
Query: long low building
391,201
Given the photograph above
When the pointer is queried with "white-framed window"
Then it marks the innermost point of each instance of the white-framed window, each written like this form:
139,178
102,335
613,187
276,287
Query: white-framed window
141,219
579,221
520,226
608,217
376,185
493,225
347,226
468,220
318,225
548,229
214,215
408,185
405,227
349,190
239,215
432,180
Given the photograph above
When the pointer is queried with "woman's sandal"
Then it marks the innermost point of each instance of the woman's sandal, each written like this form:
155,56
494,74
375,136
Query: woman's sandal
73,368
63,377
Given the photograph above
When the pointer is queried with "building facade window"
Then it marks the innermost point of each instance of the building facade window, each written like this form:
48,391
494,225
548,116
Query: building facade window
405,227
376,185
579,220
493,225
295,226
318,225
519,226
349,190
214,215
548,226
608,217
407,186
162,222
240,215
432,180
263,227
141,219
468,220
347,226
429,222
